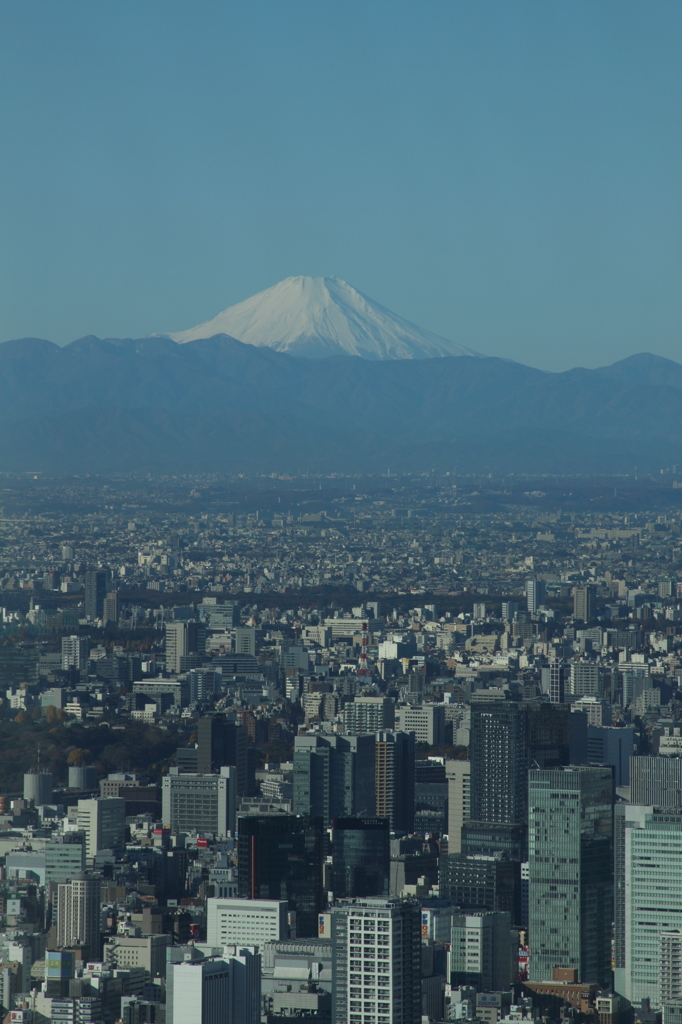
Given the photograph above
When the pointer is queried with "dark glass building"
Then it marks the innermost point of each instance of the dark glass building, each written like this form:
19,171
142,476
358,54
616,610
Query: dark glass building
360,857
279,857
95,592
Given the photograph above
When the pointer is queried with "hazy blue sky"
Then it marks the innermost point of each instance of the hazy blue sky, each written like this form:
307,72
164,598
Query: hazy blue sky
507,174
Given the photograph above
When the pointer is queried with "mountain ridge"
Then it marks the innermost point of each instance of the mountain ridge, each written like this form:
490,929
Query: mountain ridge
149,404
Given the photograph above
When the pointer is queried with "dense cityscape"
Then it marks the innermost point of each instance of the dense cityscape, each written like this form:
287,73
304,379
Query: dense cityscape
362,750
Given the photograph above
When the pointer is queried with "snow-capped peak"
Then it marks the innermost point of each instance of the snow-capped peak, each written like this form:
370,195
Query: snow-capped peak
323,316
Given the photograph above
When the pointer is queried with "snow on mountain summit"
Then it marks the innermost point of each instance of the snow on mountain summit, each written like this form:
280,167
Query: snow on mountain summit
323,316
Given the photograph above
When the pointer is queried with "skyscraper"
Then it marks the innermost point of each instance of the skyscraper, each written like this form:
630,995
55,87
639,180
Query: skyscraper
376,967
535,595
582,603
183,640
652,899
458,774
103,820
395,779
570,837
78,914
95,592
75,652
360,857
334,775
222,742
279,857
499,762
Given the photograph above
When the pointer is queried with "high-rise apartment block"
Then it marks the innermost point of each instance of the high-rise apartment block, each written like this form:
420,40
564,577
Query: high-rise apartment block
78,914
376,949
395,753
75,652
570,837
368,714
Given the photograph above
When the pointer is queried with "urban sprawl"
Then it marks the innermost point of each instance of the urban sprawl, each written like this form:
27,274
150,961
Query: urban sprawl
343,750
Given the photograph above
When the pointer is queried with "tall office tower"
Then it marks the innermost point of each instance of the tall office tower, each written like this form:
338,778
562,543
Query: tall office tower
499,762
652,897
509,610
75,652
368,714
38,788
376,962
95,592
582,603
458,774
110,609
586,679
103,820
185,643
79,921
549,734
609,744
485,883
222,742
334,775
221,991
199,803
656,781
360,857
535,595
482,951
279,857
570,838
395,779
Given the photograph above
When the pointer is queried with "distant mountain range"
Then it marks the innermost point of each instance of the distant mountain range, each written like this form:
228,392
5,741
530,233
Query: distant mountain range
218,405
317,317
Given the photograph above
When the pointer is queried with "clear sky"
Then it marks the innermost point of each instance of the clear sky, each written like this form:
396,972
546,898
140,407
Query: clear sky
505,173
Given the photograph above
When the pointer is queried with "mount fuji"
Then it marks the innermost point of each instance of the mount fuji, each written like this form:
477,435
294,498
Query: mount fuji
323,316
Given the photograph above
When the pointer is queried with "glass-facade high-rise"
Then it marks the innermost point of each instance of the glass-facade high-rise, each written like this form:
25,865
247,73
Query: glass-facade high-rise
570,845
279,857
360,857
